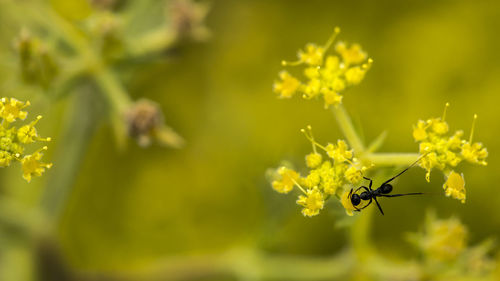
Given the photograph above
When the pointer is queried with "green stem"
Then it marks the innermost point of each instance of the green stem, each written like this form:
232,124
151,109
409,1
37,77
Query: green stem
78,131
250,264
112,90
391,159
347,128
360,233
152,42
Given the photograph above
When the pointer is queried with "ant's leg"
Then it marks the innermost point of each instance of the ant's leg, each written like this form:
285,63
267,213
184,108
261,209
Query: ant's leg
366,204
378,205
369,180
360,188
397,195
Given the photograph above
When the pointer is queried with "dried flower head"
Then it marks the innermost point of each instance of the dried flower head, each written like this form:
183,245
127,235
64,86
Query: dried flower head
144,121
36,62
187,19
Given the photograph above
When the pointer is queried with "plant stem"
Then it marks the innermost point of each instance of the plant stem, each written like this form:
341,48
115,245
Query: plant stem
249,264
347,128
112,90
391,159
80,125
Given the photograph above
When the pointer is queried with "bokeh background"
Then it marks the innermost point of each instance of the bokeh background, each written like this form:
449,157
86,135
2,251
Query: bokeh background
133,208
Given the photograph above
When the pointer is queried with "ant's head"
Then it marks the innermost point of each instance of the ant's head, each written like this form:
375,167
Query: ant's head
386,188
355,199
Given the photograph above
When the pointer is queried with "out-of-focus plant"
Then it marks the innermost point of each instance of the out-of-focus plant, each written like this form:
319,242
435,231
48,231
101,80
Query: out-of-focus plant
81,59
446,255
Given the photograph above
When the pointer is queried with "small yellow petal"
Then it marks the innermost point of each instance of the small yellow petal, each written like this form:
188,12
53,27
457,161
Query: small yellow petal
455,186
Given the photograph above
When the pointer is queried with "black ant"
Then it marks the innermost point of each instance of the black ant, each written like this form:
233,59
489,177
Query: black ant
382,191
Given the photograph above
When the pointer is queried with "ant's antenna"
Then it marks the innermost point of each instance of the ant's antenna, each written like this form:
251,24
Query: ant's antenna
391,179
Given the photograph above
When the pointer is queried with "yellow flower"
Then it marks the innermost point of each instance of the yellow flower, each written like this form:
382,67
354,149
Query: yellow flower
346,202
455,186
327,77
312,55
5,158
331,98
286,183
14,139
446,152
313,179
354,75
475,153
339,152
313,160
32,165
312,88
11,109
443,240
438,126
28,133
312,202
353,174
288,85
351,55
419,131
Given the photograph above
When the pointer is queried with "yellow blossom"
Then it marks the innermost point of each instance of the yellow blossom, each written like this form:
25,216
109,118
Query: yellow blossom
455,186
419,133
312,202
11,109
443,240
286,183
324,177
444,152
32,165
354,175
313,160
5,158
287,86
351,55
327,75
438,126
331,98
312,55
312,88
312,179
28,133
346,202
354,75
339,152
475,153
13,139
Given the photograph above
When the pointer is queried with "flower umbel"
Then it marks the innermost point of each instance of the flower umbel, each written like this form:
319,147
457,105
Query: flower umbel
326,75
14,139
326,176
444,152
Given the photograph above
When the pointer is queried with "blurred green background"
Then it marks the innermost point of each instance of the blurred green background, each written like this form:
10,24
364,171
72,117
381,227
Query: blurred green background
131,208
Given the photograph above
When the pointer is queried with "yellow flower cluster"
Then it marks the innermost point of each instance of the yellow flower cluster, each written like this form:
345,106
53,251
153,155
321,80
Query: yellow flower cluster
443,243
441,240
325,177
327,76
444,152
13,139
